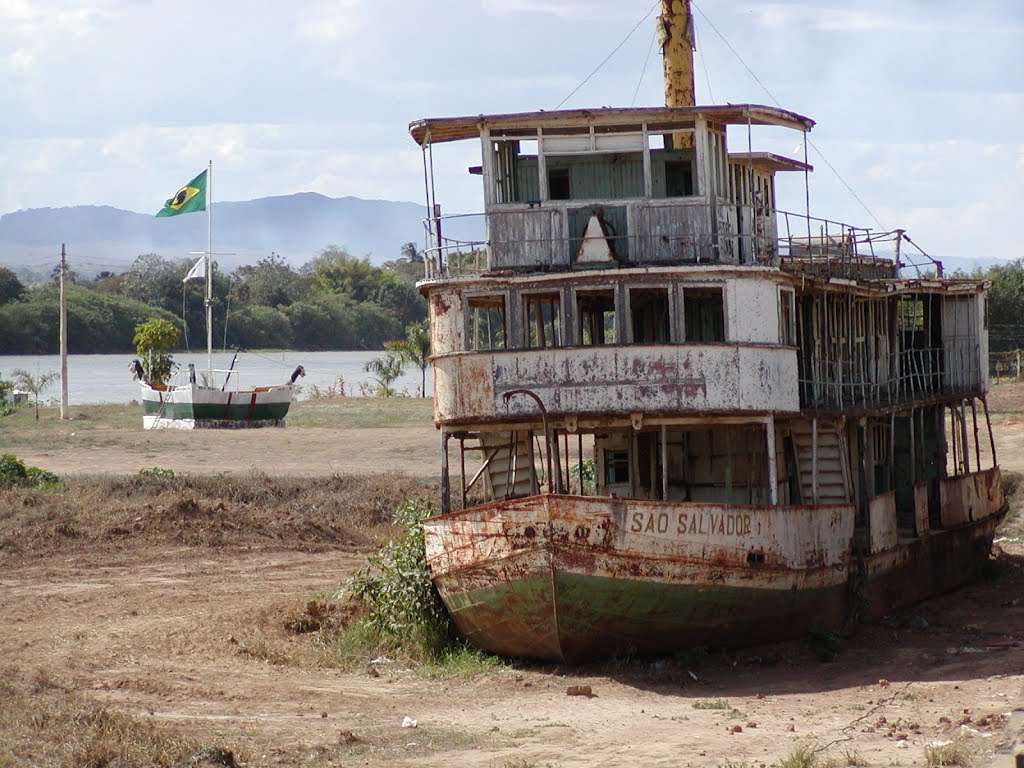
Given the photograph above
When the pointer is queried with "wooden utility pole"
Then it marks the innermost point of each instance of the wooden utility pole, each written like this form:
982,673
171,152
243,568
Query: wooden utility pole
63,334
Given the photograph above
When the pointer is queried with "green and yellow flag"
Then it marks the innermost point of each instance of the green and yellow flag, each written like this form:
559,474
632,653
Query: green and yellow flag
191,197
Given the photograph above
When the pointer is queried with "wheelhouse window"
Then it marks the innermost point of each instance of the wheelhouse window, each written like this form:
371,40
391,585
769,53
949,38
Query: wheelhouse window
485,322
516,178
595,313
542,312
559,187
704,315
672,161
649,312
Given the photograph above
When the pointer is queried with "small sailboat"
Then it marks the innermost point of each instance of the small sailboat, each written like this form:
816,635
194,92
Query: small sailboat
188,400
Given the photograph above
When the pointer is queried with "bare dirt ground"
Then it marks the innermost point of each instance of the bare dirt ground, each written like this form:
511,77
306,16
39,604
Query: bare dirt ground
192,637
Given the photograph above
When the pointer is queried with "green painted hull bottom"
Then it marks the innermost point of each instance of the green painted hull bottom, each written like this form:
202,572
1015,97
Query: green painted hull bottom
240,411
595,616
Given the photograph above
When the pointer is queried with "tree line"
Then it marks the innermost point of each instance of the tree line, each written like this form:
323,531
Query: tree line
336,301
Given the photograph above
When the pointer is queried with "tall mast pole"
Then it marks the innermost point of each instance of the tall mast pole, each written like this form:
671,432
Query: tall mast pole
675,36
209,273
63,334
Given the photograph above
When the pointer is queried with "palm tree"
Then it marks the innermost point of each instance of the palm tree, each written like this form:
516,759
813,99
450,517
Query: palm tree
384,370
35,384
415,349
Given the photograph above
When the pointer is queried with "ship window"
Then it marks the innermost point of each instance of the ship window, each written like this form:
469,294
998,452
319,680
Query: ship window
616,467
911,314
485,323
514,169
649,312
704,315
786,319
543,324
558,184
595,311
678,178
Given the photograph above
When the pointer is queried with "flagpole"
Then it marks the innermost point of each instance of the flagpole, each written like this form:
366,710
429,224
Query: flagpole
209,272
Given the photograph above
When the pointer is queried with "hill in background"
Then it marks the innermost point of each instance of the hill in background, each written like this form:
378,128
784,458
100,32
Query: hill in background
297,227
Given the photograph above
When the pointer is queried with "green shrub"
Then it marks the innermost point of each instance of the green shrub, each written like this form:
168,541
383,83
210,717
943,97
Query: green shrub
14,472
404,604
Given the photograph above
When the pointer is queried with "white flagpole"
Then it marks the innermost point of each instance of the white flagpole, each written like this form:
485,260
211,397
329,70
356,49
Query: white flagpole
209,272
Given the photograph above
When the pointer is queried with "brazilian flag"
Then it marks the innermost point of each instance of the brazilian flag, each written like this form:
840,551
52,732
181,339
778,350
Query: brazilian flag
191,197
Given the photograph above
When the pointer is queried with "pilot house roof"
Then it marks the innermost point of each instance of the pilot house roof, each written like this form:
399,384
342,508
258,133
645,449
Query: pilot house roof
434,130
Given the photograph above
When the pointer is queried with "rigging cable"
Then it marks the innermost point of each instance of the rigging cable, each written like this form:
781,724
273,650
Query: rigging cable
643,71
606,58
704,64
807,138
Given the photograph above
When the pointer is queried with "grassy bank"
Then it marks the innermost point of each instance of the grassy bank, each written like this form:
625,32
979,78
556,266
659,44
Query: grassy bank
21,427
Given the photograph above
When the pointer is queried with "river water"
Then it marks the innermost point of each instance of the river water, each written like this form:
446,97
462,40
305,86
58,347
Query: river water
106,378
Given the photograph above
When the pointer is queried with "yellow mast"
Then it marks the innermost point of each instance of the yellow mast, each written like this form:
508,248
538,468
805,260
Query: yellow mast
675,35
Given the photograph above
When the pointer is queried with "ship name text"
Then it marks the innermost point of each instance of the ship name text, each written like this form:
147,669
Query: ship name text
693,523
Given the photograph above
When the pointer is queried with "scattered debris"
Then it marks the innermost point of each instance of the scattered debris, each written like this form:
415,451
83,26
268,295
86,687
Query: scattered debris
408,722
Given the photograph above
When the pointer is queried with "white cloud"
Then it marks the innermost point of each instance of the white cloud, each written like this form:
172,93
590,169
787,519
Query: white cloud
566,9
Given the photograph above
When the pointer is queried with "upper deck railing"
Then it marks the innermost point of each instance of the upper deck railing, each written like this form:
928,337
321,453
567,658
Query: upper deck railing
548,238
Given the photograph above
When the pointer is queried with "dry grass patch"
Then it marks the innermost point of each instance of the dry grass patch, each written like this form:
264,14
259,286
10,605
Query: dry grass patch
955,752
159,507
44,724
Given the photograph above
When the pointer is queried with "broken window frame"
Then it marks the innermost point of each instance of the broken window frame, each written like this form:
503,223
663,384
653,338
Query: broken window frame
472,339
687,334
580,295
787,317
549,329
631,290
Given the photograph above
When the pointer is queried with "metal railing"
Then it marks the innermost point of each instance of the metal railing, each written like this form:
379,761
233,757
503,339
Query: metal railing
891,379
517,237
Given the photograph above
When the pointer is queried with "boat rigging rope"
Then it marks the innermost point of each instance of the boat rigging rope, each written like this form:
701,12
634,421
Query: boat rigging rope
606,58
703,63
807,138
643,71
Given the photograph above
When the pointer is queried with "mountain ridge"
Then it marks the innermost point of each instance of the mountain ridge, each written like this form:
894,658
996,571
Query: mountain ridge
296,227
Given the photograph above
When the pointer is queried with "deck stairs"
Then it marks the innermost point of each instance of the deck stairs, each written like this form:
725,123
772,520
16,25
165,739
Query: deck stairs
833,466
509,474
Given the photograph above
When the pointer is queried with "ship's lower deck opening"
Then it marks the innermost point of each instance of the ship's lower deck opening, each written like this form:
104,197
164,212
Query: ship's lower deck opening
896,470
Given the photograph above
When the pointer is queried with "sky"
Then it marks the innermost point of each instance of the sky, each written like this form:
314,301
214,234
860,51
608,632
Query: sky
919,104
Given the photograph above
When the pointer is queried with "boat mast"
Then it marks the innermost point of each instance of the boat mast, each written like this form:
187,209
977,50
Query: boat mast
675,35
209,272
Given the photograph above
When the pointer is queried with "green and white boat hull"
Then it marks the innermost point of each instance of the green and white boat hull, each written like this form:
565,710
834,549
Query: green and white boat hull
193,406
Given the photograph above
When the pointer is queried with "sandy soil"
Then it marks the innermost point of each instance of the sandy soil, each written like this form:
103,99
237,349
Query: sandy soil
173,634
176,635
310,451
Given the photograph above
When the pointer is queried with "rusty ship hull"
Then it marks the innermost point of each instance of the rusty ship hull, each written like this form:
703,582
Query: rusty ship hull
573,579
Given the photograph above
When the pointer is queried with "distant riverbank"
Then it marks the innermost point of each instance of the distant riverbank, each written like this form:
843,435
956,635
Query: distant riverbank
106,378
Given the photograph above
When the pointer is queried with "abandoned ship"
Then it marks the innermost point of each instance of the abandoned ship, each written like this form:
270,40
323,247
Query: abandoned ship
674,414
